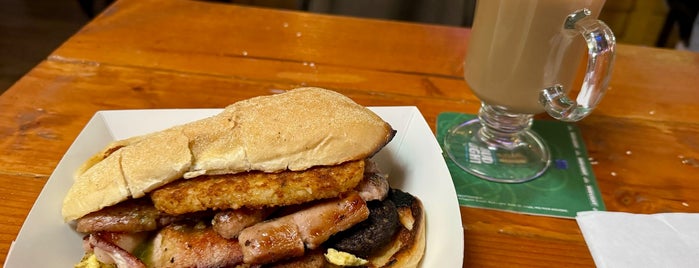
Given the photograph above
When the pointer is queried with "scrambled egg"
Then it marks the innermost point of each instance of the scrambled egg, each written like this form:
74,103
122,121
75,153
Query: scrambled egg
343,258
90,261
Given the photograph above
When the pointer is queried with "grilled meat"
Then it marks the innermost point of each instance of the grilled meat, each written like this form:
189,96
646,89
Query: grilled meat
374,186
136,215
312,259
192,245
246,233
132,216
229,223
288,236
317,223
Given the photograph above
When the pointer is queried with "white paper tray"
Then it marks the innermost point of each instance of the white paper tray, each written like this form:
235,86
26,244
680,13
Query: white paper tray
413,159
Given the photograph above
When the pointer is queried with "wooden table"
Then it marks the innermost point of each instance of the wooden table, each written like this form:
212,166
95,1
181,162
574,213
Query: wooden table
644,136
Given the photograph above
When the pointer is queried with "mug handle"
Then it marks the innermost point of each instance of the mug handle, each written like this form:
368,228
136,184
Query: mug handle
601,45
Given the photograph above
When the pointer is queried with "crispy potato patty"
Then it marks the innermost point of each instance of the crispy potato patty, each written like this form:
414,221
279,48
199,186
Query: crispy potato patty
257,189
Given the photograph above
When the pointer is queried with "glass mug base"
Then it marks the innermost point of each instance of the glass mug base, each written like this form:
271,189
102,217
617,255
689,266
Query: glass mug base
523,160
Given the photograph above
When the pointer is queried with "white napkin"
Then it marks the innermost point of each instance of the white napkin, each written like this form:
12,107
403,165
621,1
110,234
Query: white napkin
618,239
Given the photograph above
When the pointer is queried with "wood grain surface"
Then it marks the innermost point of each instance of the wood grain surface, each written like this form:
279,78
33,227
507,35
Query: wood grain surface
644,137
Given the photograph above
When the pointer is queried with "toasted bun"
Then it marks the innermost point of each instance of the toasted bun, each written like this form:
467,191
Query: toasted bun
295,130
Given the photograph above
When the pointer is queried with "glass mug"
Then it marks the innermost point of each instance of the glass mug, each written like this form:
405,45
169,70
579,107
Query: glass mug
522,60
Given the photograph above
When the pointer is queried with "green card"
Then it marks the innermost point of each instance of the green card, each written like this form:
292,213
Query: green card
567,187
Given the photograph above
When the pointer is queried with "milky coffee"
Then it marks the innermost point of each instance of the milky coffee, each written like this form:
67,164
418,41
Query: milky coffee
519,47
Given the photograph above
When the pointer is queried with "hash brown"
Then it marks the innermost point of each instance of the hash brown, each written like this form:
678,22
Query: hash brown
257,189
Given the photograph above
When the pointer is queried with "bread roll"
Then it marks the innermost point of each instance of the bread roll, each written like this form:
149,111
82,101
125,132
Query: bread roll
296,130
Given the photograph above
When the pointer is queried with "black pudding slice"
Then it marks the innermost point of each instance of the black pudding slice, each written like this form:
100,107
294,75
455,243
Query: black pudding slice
371,234
400,198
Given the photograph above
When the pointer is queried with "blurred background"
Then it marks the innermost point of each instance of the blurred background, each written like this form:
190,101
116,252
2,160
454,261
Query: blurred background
31,29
